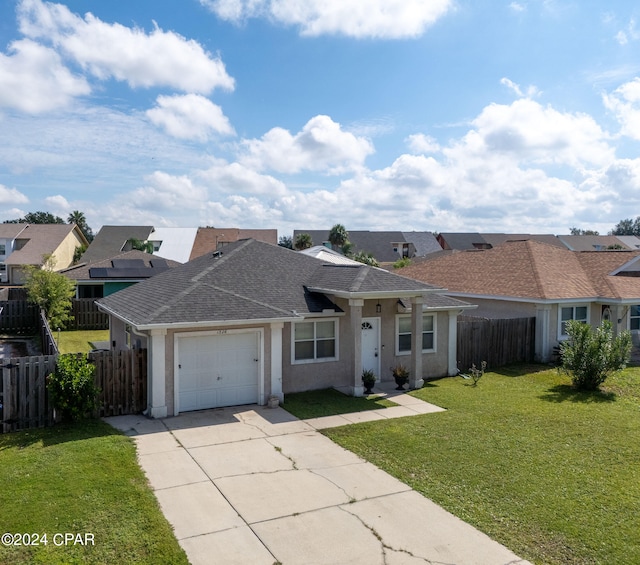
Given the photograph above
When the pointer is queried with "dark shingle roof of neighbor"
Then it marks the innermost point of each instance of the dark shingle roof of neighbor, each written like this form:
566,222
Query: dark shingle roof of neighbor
379,243
110,241
250,280
152,265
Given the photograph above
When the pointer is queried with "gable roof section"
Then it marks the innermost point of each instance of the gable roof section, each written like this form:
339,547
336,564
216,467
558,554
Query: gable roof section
248,280
208,240
11,231
152,264
174,243
531,270
592,242
379,243
42,239
110,241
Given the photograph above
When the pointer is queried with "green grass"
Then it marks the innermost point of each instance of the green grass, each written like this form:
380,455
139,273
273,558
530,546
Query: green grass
551,473
80,341
329,402
80,478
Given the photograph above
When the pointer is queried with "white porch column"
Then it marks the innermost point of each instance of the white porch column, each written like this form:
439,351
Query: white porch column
543,323
355,311
157,379
452,362
415,378
276,361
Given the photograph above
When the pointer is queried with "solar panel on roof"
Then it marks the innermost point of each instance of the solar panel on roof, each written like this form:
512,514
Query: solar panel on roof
128,263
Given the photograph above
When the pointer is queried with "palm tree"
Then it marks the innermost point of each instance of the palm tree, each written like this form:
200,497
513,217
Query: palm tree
76,217
303,241
338,236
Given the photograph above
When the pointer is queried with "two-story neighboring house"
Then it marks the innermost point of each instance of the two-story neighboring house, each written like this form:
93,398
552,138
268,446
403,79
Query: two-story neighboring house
22,245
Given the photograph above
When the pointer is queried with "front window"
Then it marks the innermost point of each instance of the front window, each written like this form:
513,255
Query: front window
314,341
635,317
3,249
403,334
567,313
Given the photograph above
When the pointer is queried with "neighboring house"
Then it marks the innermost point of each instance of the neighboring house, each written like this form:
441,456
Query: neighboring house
469,241
595,242
176,244
173,243
23,245
385,246
552,284
102,278
113,240
328,255
254,320
210,239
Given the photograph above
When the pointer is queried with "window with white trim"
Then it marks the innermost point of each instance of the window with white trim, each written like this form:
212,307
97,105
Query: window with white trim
567,313
315,341
403,334
634,317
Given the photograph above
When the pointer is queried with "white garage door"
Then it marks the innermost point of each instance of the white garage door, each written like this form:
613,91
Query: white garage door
218,370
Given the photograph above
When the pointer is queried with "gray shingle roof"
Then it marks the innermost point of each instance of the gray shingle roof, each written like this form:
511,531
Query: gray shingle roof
250,280
379,243
110,241
81,272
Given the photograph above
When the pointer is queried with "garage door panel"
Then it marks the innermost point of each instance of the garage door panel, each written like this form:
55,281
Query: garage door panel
218,370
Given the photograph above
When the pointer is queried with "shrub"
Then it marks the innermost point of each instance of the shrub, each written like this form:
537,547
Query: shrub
71,387
590,357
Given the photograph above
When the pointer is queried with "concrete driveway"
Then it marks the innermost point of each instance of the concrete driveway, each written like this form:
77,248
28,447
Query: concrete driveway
253,485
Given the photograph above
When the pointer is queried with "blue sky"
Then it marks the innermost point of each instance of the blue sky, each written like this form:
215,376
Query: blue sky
441,115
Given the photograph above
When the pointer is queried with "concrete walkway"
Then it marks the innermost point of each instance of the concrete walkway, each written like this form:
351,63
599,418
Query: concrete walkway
254,485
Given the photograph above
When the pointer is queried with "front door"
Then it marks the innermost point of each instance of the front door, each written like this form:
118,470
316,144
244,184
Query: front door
371,345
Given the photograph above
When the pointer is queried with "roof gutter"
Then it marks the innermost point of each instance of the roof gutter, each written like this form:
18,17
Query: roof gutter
374,294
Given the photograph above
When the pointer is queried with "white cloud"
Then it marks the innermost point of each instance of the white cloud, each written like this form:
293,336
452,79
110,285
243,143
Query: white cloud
390,19
532,133
126,54
190,116
11,196
517,7
624,102
59,204
421,143
234,178
168,192
33,79
322,145
531,92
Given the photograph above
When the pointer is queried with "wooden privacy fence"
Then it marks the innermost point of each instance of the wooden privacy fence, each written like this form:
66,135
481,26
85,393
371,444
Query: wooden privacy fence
49,345
18,317
86,316
120,375
498,342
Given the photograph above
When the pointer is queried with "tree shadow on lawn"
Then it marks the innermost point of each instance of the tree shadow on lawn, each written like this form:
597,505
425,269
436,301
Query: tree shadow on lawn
568,393
59,433
520,369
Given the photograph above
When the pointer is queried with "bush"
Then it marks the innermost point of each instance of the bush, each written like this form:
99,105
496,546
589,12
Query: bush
71,387
590,357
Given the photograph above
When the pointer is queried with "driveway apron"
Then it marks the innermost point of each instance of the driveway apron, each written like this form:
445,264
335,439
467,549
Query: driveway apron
254,485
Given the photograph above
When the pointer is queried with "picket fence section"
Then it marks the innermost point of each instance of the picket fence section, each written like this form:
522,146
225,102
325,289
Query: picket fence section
24,401
499,342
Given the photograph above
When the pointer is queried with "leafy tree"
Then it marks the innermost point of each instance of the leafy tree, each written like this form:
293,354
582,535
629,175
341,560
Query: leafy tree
72,388
366,258
286,241
303,241
580,231
51,291
76,217
37,218
590,356
338,236
627,227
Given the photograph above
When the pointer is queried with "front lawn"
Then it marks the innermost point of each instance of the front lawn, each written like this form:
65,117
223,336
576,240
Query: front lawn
79,479
328,402
552,474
